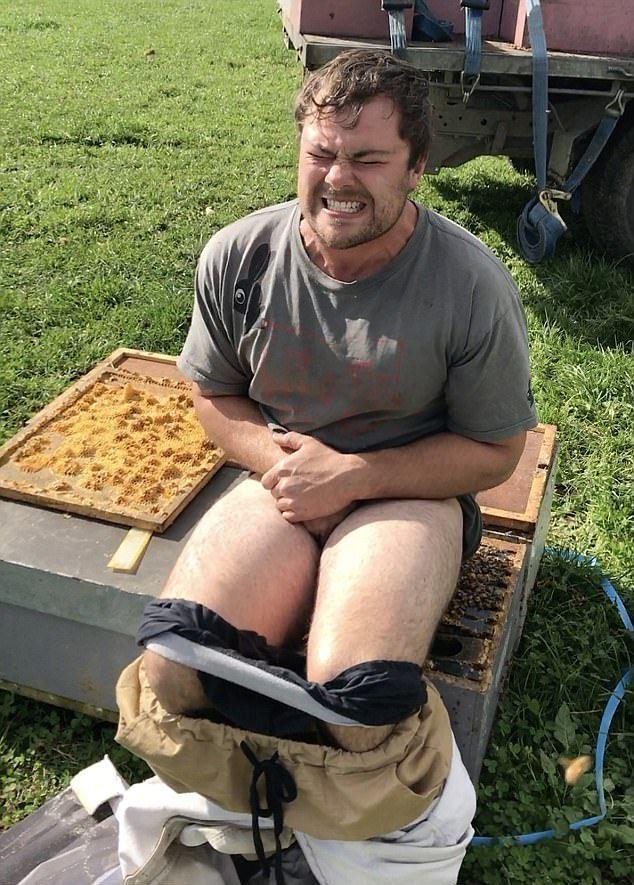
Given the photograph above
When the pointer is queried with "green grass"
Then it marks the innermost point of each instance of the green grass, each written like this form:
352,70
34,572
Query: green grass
129,136
571,656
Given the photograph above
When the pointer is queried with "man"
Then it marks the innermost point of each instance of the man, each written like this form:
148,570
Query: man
367,360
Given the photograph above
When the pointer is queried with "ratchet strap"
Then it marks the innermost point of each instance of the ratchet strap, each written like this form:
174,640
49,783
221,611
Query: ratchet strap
470,76
396,14
540,225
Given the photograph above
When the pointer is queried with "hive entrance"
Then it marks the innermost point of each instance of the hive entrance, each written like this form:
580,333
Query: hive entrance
466,640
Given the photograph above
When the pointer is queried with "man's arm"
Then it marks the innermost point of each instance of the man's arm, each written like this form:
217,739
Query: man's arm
440,466
315,480
235,423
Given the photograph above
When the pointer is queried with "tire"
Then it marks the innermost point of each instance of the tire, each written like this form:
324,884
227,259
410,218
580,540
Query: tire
607,195
523,165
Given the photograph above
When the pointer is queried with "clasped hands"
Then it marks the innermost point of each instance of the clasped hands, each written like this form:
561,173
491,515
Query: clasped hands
311,483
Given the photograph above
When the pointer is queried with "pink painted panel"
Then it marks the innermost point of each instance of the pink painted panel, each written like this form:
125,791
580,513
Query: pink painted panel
344,18
450,11
602,27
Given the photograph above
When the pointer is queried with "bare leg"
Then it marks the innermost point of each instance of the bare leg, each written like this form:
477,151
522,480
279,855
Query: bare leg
386,576
249,565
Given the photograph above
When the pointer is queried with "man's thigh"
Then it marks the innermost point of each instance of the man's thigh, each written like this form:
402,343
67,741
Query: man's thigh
249,565
386,575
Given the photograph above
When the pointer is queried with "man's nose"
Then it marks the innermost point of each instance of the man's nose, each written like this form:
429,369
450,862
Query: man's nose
340,174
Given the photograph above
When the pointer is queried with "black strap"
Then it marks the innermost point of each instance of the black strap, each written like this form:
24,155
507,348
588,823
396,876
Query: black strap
280,787
428,26
396,5
611,116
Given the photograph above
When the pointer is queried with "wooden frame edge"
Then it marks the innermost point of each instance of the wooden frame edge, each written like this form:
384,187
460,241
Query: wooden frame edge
525,520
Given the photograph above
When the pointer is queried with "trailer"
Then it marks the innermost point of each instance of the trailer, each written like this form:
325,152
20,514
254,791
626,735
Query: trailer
487,107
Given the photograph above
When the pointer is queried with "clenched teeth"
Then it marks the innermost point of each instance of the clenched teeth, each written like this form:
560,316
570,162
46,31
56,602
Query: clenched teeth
343,206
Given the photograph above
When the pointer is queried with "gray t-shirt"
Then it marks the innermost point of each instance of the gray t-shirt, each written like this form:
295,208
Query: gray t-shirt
434,341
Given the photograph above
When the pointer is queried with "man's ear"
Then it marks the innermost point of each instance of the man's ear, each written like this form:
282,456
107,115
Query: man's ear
416,171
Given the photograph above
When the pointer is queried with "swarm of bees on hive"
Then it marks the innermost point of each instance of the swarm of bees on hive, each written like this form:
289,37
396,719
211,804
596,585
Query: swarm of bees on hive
483,582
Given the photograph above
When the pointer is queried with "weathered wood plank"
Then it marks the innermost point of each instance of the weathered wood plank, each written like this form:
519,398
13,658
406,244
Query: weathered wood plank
130,551
498,57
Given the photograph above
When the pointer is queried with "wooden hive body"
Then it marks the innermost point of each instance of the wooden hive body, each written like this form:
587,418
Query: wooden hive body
352,18
471,656
605,28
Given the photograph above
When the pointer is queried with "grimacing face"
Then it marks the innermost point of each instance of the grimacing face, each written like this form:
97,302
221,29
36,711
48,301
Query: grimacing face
353,183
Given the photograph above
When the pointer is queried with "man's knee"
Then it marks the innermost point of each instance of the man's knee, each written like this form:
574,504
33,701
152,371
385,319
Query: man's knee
383,693
378,693
177,688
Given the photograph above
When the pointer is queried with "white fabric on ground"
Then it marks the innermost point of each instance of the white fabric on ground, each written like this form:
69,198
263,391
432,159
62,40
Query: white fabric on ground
180,865
430,849
99,783
152,814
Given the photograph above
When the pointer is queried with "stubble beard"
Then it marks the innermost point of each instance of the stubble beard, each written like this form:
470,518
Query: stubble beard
374,228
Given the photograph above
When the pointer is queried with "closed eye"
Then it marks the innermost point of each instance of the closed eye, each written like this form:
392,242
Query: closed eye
328,158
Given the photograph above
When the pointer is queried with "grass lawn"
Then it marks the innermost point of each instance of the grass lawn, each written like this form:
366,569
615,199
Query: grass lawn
129,136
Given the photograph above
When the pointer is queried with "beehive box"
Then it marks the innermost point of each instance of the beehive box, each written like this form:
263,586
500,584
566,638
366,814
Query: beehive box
473,648
80,617
585,26
352,18
67,621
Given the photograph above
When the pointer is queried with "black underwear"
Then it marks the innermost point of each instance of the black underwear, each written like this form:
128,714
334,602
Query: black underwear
370,693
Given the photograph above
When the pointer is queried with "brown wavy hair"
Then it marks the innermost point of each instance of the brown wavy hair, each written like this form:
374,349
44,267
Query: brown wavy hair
352,78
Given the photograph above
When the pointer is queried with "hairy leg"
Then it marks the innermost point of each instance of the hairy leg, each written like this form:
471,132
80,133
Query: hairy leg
249,565
386,576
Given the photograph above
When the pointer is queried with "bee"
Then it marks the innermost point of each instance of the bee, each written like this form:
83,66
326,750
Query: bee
573,769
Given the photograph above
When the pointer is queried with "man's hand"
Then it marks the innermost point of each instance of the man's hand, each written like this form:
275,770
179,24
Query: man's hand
311,481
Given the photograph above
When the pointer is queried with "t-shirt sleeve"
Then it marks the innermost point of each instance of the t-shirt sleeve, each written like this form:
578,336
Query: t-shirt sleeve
209,356
488,393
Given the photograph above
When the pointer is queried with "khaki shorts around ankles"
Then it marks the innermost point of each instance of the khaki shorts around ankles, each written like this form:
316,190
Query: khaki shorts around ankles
341,795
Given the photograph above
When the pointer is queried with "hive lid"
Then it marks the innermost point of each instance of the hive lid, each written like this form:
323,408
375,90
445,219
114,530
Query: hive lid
143,362
515,504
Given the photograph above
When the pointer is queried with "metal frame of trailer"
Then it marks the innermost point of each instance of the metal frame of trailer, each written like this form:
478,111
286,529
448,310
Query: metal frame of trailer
497,119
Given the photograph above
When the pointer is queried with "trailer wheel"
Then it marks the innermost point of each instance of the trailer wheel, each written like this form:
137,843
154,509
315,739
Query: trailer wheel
523,165
608,196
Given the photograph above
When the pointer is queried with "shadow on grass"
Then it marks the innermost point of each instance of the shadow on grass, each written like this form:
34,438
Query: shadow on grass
494,202
583,291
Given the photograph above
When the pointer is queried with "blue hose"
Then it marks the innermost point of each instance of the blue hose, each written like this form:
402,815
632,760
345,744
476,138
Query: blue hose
611,706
